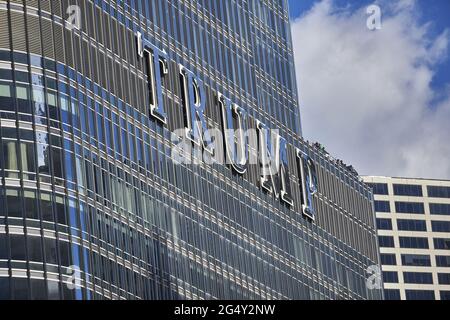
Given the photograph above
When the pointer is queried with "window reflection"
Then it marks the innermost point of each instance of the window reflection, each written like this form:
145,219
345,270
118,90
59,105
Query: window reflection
13,203
42,150
30,208
46,207
50,250
53,290
17,246
10,158
27,159
39,105
34,249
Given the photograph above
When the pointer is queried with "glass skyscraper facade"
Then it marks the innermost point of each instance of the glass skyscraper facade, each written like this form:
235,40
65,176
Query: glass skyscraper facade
89,188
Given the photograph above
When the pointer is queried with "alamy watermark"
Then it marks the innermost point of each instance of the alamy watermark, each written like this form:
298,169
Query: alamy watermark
231,147
374,277
73,20
74,273
373,21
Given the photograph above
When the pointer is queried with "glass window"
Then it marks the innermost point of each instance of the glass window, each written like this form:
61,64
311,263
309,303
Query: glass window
3,247
416,260
411,225
53,290
386,241
46,207
382,206
390,277
413,242
418,277
440,208
22,93
5,90
13,202
409,207
57,162
384,224
388,259
438,192
419,294
10,156
392,294
27,157
444,278
30,209
64,248
440,226
43,153
408,190
441,243
50,250
4,288
60,210
23,100
51,99
6,102
38,291
445,295
18,251
34,249
443,261
379,188
19,288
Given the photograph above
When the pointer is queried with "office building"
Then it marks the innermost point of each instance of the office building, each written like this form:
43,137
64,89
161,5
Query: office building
413,219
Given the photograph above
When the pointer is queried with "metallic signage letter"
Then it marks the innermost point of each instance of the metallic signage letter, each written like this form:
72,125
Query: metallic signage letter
235,140
158,67
193,95
274,164
286,194
308,181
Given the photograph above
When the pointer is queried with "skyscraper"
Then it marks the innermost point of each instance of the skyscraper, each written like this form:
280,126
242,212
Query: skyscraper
95,200
413,217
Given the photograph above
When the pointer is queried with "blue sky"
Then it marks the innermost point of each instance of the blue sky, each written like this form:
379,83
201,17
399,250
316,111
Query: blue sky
377,99
437,12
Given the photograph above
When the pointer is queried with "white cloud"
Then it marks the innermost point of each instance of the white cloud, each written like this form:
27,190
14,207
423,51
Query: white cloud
366,95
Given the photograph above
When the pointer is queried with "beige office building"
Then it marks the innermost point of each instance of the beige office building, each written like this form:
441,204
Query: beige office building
413,220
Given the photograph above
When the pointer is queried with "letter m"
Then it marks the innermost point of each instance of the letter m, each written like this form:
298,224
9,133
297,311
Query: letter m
274,163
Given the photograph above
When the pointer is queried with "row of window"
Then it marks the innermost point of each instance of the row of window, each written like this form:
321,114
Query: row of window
419,260
438,192
416,277
440,208
420,295
415,260
382,206
444,278
410,190
414,242
394,294
408,277
402,224
413,225
400,207
440,226
409,207
379,188
403,207
407,190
